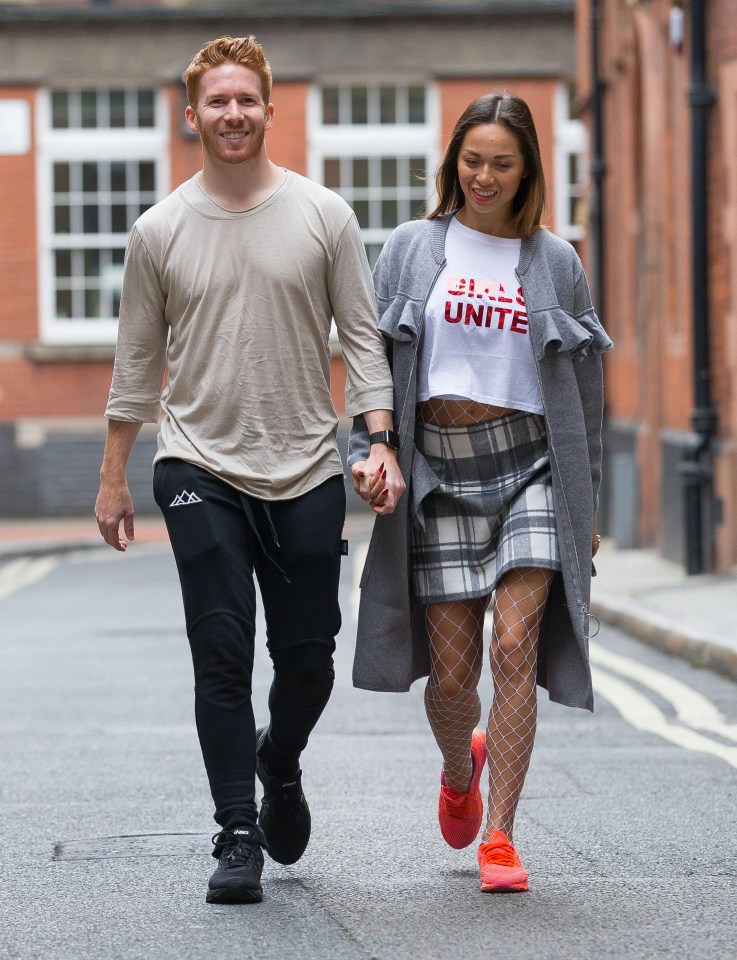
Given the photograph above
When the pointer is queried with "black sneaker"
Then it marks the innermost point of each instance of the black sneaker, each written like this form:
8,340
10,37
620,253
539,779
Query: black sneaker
238,875
284,816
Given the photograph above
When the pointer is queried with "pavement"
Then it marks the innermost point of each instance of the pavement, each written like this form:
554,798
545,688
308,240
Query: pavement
638,591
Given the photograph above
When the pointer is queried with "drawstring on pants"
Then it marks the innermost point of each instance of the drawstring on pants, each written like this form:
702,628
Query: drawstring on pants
250,516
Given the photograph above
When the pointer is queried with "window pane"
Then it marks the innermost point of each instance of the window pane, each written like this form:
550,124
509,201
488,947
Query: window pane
89,108
119,218
573,168
146,108
361,210
330,105
388,105
389,213
146,177
331,172
388,172
359,105
63,263
92,303
59,110
90,218
117,108
118,180
417,209
89,177
91,263
416,104
62,223
372,252
416,170
119,256
360,172
63,304
61,178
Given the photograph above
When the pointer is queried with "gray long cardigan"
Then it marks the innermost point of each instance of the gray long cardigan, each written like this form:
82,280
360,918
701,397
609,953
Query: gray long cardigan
567,339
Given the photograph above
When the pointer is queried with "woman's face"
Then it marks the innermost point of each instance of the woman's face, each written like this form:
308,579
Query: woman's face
490,170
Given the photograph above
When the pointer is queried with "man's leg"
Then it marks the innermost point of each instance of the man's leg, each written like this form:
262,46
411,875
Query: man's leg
303,618
213,545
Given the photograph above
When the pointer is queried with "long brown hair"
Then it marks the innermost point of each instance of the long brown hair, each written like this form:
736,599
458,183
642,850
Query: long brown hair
514,114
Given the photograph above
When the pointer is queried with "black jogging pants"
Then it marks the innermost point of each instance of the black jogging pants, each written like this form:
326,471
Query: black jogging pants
221,538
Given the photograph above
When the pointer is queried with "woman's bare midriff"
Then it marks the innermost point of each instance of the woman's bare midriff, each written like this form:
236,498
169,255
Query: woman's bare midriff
461,413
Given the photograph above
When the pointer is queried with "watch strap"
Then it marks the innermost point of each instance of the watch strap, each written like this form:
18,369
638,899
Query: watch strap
385,436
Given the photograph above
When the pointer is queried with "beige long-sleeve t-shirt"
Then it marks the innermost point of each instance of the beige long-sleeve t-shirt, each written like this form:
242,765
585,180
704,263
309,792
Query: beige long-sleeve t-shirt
237,308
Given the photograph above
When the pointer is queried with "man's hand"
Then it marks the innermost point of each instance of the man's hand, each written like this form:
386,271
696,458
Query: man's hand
379,480
113,504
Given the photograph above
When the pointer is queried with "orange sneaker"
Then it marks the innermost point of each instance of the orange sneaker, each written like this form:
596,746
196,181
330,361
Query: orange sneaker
501,868
460,814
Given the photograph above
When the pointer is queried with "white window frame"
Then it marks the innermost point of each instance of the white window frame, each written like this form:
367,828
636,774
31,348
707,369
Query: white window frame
569,137
375,139
78,145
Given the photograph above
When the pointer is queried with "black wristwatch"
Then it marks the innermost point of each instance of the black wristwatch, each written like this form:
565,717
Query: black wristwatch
385,436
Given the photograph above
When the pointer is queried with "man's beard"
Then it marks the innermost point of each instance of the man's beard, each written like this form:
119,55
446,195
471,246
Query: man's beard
213,145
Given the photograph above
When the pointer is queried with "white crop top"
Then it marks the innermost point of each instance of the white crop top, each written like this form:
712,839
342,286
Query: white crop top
476,342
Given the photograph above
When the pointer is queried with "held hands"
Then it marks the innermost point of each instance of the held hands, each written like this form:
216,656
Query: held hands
379,480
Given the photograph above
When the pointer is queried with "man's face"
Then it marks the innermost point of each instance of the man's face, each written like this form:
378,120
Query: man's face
231,115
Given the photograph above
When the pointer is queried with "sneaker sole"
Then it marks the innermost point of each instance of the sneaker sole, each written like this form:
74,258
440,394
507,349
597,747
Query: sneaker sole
505,886
242,895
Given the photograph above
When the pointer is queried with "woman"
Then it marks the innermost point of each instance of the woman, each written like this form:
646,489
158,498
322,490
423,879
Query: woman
496,358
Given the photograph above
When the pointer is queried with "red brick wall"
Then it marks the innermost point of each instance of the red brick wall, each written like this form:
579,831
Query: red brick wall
722,59
30,389
286,142
185,157
648,308
18,274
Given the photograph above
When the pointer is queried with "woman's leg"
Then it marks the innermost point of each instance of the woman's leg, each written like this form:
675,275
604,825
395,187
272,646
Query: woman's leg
451,698
518,607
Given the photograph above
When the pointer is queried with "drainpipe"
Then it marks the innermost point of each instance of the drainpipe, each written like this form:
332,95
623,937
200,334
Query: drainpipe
696,466
598,167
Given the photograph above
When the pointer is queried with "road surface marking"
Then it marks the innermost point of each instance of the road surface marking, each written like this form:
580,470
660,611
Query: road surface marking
22,572
643,715
692,708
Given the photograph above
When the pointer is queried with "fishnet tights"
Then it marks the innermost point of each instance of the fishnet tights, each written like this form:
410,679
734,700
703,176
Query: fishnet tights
510,733
445,412
452,702
451,699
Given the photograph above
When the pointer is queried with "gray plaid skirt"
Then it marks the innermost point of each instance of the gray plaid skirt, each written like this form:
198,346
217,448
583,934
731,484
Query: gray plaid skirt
493,509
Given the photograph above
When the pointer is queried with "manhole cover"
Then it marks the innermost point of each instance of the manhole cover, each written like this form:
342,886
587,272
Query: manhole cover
145,845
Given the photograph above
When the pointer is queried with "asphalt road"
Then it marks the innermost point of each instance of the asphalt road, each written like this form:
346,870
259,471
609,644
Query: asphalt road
628,823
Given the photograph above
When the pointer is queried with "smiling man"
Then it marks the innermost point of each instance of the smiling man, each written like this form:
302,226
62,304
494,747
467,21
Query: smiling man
230,286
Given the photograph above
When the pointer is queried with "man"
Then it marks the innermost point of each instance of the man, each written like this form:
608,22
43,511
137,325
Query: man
230,285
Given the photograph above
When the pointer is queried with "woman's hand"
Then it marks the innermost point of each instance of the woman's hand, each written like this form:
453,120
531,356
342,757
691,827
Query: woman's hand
380,483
